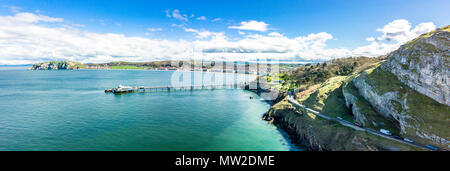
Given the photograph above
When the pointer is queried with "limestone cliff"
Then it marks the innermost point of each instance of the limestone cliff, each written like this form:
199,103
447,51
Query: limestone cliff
363,112
411,88
423,64
318,134
419,117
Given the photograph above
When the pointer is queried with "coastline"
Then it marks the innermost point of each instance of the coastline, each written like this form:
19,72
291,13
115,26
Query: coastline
289,136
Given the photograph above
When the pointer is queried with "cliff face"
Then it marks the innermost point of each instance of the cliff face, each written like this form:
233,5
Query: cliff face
362,110
419,117
423,64
57,65
411,88
317,134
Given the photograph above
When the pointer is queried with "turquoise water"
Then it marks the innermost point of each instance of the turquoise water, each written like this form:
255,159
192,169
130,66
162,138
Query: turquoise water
68,110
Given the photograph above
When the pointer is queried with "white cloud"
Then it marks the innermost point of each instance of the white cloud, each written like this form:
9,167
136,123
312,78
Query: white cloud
240,32
177,15
202,34
216,19
154,29
14,9
31,18
25,38
275,34
423,28
400,31
201,18
177,25
251,25
370,39
394,34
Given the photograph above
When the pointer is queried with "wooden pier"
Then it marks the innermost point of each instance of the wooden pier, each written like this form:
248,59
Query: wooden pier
125,89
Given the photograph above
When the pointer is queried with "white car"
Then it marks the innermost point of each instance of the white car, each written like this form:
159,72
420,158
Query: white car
385,132
408,140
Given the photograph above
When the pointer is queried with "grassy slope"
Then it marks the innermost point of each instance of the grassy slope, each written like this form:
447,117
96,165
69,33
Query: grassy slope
330,134
369,112
435,116
312,74
327,98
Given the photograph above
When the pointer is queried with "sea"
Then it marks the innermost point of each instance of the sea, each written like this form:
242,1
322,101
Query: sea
56,110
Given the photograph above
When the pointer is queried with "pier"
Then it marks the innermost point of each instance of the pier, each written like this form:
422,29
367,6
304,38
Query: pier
127,89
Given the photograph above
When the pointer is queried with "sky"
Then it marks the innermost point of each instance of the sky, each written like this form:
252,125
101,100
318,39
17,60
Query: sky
137,30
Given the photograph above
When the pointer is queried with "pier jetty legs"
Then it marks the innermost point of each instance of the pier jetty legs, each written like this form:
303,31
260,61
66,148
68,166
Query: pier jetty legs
127,89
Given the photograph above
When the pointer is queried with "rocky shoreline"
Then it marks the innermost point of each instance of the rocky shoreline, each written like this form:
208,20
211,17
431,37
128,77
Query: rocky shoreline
316,134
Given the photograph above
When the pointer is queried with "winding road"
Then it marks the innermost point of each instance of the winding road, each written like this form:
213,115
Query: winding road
352,125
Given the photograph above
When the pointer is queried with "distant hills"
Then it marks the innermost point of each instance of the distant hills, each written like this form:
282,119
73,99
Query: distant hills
71,65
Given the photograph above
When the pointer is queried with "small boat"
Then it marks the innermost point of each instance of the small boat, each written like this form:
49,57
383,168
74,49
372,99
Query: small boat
124,87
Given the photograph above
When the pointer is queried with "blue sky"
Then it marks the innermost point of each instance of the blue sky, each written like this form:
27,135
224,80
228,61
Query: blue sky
349,22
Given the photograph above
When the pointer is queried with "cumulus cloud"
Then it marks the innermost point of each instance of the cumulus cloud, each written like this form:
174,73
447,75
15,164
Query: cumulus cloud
25,39
30,18
28,38
394,34
177,15
251,25
14,9
310,47
400,31
202,34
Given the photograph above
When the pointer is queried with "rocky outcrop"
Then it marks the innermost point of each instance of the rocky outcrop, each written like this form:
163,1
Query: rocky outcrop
351,101
411,88
419,117
385,104
317,134
57,65
423,64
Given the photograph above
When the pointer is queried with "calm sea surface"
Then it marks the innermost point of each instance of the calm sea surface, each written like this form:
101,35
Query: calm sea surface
68,110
